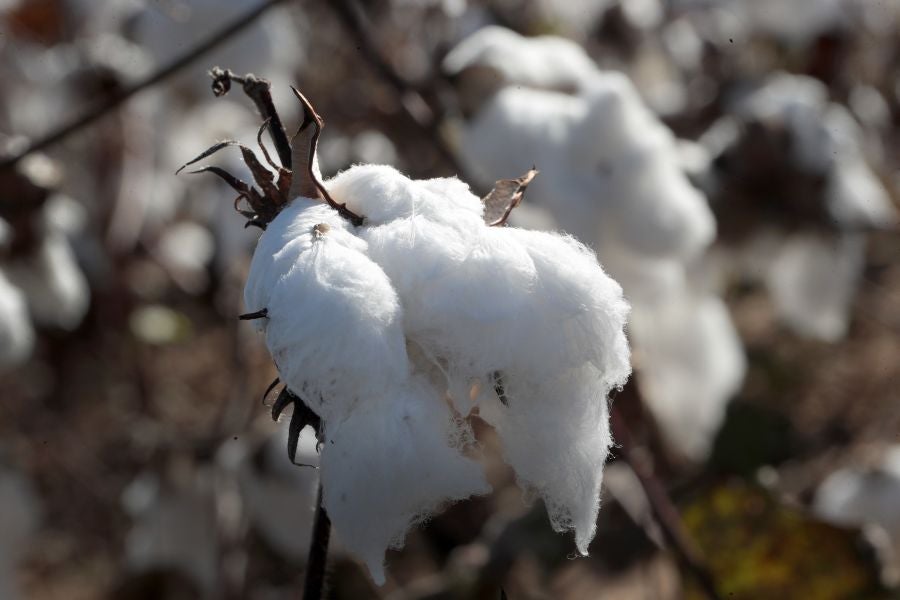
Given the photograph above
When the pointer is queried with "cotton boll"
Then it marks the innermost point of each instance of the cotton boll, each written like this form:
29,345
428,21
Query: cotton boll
381,194
16,334
853,496
334,322
175,527
542,62
691,364
556,436
57,291
278,497
608,168
813,281
502,298
391,464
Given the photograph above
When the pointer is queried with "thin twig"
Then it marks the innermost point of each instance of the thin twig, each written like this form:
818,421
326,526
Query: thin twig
426,117
192,54
314,584
664,511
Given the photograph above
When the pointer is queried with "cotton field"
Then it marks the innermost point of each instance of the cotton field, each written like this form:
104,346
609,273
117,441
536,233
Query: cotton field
457,299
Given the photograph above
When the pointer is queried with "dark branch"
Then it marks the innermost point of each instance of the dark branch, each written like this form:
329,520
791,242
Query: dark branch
317,558
312,118
260,314
179,63
426,117
663,508
260,91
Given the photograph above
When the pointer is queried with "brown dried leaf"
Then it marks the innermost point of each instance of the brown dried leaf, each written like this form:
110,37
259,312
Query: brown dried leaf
506,195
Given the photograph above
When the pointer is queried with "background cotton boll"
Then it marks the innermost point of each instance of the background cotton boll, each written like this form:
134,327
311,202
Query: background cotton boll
691,364
16,333
391,464
277,497
660,214
813,281
174,528
555,434
334,323
543,62
57,292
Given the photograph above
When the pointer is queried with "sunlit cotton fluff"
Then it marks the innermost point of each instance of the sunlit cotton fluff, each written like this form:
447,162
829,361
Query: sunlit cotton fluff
555,434
531,311
484,298
333,324
393,463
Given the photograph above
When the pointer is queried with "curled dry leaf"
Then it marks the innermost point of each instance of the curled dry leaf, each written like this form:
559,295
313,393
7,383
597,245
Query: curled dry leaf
506,195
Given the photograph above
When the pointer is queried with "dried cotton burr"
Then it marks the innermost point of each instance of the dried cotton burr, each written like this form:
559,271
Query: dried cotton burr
611,175
393,312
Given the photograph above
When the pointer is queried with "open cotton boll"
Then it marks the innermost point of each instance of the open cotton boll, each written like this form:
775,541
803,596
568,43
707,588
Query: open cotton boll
334,322
543,62
390,465
57,291
16,333
853,496
608,167
555,434
382,194
692,364
502,298
813,281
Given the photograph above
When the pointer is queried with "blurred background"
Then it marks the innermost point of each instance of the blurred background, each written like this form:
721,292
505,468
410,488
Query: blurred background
733,162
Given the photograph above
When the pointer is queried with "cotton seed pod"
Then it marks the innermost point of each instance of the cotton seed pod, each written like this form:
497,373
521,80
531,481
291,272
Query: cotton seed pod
391,464
333,321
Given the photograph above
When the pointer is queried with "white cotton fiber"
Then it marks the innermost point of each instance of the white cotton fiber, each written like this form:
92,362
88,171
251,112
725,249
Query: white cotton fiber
380,193
487,299
334,320
854,496
57,291
813,280
542,62
555,434
691,364
390,465
608,167
16,333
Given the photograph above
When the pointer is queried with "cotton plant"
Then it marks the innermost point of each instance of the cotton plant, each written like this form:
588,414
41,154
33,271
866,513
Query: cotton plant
42,283
611,175
790,177
858,496
394,309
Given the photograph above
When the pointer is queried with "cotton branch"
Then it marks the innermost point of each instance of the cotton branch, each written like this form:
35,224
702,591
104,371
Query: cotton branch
664,511
222,35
